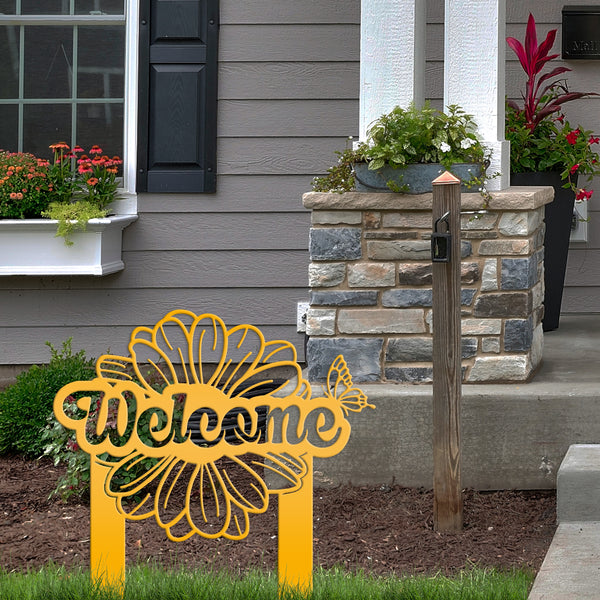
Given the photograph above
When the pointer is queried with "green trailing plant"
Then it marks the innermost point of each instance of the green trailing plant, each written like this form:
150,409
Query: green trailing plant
73,216
26,405
340,177
541,139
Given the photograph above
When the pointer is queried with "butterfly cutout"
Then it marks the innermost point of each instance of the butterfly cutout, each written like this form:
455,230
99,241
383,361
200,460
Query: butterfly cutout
340,388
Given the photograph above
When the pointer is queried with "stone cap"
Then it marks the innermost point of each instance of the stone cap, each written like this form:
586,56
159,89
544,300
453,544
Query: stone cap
513,199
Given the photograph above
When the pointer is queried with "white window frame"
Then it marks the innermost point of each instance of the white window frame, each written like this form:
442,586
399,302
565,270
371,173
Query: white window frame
127,204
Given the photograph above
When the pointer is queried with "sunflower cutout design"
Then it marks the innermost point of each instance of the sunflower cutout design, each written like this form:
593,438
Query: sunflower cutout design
199,424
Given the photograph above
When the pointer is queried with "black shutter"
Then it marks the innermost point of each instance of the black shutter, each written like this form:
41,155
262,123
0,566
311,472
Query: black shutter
177,131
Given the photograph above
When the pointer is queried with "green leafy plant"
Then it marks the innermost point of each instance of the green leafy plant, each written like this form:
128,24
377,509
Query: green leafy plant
26,405
541,139
60,444
423,135
412,136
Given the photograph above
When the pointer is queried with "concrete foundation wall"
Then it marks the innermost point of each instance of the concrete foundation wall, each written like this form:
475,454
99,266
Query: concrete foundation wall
513,436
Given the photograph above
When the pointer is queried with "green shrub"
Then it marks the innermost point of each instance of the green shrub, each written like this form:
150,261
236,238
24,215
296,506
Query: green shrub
26,405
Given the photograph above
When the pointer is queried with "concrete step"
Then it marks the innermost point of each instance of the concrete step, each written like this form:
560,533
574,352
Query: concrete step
578,485
571,569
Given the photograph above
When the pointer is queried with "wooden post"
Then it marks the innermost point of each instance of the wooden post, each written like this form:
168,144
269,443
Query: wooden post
447,493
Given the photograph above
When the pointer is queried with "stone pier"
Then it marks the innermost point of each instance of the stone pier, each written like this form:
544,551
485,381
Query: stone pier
370,285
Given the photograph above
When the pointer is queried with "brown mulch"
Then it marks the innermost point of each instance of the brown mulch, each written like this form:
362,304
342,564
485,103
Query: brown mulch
375,529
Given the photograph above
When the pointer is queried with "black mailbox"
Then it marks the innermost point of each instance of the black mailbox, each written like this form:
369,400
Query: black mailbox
581,32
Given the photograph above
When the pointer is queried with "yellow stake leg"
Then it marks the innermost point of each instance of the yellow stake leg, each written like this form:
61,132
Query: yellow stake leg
107,532
295,552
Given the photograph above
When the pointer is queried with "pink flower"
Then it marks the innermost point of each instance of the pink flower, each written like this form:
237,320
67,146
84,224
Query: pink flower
95,150
59,146
572,136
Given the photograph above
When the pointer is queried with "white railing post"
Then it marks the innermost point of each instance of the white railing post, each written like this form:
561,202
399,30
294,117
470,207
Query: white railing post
474,57
392,57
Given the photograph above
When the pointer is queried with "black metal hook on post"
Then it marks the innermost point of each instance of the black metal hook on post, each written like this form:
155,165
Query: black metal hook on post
441,246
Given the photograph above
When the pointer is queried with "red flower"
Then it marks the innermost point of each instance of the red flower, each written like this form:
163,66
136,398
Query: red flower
574,168
572,136
593,140
584,194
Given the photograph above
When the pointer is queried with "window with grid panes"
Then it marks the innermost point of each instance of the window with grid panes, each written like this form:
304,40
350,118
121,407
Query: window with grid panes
65,72
62,76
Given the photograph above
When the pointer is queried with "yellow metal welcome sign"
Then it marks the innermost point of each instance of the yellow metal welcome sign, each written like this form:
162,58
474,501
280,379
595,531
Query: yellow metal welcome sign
171,428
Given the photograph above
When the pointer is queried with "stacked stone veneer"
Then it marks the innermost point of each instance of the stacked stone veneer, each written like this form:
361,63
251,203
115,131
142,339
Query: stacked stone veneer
370,281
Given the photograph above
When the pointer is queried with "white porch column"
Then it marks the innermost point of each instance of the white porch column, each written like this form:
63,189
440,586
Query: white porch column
392,57
474,73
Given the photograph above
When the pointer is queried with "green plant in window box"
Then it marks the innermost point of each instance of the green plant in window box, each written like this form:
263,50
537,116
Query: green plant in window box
72,189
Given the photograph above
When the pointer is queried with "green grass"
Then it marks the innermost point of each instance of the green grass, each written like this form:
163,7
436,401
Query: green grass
148,583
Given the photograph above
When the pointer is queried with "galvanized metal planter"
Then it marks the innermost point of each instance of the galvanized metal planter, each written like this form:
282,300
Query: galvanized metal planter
412,179
30,247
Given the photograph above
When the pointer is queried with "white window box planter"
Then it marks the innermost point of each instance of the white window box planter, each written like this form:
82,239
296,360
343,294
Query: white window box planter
30,247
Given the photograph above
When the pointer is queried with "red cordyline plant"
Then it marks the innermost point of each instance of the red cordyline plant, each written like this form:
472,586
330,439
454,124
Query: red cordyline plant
541,139
542,97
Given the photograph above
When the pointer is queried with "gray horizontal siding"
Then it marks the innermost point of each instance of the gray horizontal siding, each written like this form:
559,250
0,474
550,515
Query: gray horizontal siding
60,307
288,80
236,193
279,118
289,43
260,12
222,231
277,156
94,340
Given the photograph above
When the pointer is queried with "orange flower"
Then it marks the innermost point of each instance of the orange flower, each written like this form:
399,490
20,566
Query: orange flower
92,181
